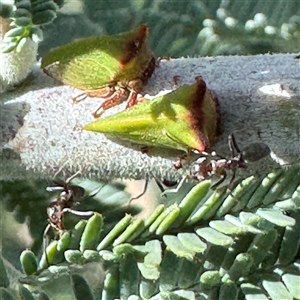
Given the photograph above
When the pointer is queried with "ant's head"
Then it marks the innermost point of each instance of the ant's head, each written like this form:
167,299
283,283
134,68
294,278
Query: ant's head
255,152
251,153
67,191
55,213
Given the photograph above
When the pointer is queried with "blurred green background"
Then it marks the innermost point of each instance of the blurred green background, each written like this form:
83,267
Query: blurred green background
186,28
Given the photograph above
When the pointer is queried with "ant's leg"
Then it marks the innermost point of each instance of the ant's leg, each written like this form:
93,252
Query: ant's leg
233,146
172,191
160,186
61,188
223,177
54,188
231,182
78,213
97,191
44,242
143,192
73,176
164,182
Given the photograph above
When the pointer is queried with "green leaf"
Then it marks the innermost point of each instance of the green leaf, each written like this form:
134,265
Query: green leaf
91,233
25,294
276,217
5,10
77,233
81,288
4,280
6,295
21,12
29,262
64,241
8,48
214,237
22,21
74,257
291,281
137,226
276,289
111,284
289,246
264,188
170,268
36,34
15,32
192,242
21,44
123,250
42,6
91,255
49,255
149,268
253,291
178,248
120,227
228,290
192,200
129,277
168,221
210,279
43,17
207,209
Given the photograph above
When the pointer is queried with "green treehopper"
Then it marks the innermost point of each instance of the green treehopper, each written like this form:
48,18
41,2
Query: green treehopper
115,67
185,119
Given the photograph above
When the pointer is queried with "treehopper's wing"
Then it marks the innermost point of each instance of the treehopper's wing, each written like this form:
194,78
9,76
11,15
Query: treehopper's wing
91,63
187,118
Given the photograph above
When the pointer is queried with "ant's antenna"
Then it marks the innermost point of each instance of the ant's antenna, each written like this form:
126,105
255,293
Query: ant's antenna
233,146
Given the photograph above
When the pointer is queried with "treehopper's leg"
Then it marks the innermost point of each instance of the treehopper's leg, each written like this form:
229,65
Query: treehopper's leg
100,93
141,100
116,98
132,99
79,97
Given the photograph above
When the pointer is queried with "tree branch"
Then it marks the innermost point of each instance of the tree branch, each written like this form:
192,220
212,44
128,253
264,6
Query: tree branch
259,98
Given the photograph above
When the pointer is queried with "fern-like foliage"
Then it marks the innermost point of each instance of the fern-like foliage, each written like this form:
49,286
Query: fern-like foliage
210,245
27,16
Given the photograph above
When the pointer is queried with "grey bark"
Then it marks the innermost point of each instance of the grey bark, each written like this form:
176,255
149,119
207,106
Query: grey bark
41,128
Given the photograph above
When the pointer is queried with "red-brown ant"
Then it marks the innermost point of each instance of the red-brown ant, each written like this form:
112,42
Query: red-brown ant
70,194
63,203
210,164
